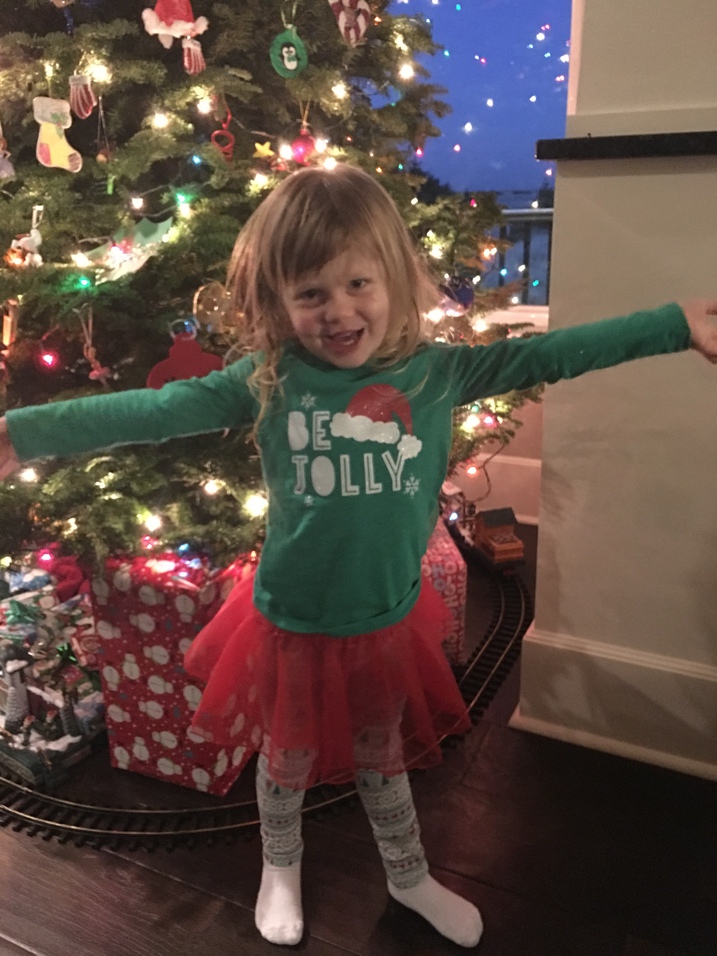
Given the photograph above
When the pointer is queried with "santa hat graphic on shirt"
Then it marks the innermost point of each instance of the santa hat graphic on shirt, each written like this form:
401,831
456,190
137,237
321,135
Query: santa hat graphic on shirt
375,413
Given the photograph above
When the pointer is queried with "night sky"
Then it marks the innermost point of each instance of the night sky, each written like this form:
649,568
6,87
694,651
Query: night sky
498,153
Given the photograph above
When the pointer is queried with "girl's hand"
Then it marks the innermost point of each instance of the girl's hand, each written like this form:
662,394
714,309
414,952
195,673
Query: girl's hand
699,314
8,458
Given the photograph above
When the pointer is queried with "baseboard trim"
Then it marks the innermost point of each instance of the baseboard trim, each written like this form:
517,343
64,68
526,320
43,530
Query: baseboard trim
643,705
619,748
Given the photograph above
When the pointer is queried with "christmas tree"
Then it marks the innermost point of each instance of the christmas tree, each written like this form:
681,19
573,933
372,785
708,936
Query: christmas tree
135,142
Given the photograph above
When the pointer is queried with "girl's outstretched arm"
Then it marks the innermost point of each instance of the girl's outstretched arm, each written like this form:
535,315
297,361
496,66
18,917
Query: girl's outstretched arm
481,371
8,458
701,317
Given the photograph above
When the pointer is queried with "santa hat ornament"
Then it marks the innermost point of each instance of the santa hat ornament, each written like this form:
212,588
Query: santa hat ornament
375,414
173,20
352,17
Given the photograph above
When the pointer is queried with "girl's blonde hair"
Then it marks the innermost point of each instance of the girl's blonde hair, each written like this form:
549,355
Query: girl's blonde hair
308,220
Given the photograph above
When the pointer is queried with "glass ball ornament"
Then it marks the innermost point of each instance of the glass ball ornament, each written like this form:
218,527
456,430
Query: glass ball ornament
302,147
458,296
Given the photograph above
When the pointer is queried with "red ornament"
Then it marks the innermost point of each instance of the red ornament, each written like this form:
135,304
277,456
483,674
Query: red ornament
186,359
303,146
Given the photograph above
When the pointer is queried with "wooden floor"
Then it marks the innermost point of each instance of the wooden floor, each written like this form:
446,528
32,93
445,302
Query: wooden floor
567,852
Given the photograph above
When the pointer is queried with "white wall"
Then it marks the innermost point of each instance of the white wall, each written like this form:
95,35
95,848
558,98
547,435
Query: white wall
623,652
642,66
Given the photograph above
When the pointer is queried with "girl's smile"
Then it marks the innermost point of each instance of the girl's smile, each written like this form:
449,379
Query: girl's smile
341,312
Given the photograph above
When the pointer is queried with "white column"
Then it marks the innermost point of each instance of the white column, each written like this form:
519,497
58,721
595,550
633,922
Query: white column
623,652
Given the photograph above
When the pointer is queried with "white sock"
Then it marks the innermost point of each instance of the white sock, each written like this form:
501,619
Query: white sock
453,917
278,914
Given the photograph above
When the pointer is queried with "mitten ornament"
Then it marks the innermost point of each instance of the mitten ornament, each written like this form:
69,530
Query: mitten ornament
82,96
193,56
52,147
352,17
173,19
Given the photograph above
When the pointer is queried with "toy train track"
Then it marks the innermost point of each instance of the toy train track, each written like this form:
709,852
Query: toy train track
51,817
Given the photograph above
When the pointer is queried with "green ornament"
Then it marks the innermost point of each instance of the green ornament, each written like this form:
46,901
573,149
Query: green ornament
288,54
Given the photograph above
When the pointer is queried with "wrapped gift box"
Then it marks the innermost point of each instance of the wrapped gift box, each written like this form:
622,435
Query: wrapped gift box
147,611
445,566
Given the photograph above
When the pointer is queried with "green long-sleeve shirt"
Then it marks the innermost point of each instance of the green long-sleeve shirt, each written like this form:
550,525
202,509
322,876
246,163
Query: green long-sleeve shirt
353,459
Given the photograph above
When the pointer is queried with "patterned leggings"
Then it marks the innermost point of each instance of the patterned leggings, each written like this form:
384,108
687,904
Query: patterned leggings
387,802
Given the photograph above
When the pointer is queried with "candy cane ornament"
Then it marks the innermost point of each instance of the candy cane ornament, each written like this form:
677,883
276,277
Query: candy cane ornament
352,17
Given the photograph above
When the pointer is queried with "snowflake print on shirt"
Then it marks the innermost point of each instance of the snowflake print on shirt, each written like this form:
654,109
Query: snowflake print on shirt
308,400
411,486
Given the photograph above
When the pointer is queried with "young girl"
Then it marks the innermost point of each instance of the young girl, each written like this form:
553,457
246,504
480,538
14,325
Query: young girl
329,662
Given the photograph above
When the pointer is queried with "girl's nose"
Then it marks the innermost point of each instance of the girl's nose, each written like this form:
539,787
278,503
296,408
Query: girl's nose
339,307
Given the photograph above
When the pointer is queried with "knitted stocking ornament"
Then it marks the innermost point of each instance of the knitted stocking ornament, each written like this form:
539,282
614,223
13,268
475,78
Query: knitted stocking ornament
52,147
352,17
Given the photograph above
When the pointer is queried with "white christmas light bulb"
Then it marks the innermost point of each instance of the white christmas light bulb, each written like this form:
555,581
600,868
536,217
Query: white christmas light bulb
285,151
81,260
160,121
260,179
339,90
29,475
212,487
205,105
99,72
137,202
321,145
153,523
256,505
330,163
406,71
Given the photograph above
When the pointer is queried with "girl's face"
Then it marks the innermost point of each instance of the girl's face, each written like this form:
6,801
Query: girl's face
341,312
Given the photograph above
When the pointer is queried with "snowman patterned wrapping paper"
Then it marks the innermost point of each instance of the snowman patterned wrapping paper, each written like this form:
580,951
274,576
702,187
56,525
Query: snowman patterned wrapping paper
147,611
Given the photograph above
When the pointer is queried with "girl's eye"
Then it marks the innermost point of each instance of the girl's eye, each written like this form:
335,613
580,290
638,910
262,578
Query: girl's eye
359,283
308,294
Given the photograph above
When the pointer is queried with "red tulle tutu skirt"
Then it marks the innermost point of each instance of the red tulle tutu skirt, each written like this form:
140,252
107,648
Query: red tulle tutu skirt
320,708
